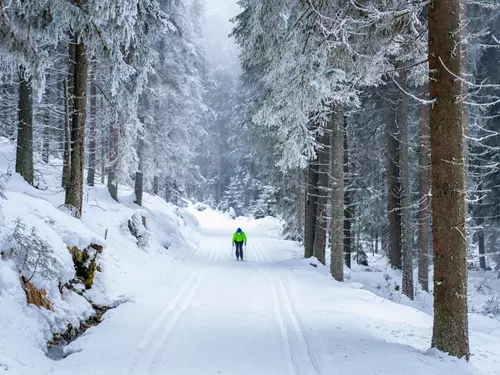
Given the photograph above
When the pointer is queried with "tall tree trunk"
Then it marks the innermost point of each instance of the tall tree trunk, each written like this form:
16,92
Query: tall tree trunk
393,191
104,140
24,151
93,129
464,66
46,123
69,84
61,120
139,175
424,201
74,191
450,331
480,232
46,141
405,196
219,189
300,204
113,150
156,185
347,202
337,197
322,200
311,209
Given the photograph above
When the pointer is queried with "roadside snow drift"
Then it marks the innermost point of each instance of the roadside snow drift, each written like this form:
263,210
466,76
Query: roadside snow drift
125,265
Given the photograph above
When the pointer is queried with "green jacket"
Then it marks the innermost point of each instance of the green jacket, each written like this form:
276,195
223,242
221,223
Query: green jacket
239,237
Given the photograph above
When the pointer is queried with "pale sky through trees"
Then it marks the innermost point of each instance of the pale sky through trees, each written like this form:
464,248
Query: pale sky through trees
220,49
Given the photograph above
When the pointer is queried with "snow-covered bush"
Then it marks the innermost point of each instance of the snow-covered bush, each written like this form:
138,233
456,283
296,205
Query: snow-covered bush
31,253
233,197
266,203
492,307
231,213
138,230
361,258
200,206
390,287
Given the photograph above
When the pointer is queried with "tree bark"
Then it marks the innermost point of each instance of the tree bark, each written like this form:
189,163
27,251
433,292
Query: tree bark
74,191
104,149
68,113
311,209
405,195
450,330
139,175
393,191
322,199
46,124
424,197
337,197
347,202
113,150
46,141
93,129
300,204
464,66
480,232
156,185
24,151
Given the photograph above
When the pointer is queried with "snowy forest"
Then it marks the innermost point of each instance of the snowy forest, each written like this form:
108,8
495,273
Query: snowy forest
367,127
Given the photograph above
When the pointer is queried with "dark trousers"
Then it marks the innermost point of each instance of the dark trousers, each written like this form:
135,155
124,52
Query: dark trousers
239,249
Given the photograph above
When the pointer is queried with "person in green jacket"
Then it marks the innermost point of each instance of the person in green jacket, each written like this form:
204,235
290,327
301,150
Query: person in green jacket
239,238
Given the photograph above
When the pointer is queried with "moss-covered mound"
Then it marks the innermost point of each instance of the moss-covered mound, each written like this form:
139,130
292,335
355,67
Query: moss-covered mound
86,263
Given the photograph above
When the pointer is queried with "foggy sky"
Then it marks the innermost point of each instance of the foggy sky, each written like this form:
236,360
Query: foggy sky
221,50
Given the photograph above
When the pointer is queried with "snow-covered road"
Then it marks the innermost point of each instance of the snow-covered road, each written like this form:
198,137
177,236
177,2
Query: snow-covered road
228,317
268,315
224,317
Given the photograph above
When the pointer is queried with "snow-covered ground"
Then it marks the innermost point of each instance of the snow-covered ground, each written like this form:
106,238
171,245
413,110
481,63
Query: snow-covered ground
190,308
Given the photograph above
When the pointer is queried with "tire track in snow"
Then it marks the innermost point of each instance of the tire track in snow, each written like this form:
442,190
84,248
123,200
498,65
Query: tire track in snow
297,342
168,319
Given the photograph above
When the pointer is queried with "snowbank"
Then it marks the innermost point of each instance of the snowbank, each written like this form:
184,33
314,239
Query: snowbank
171,232
382,280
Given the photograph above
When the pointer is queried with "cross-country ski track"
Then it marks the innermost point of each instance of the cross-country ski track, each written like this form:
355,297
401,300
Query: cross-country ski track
271,314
